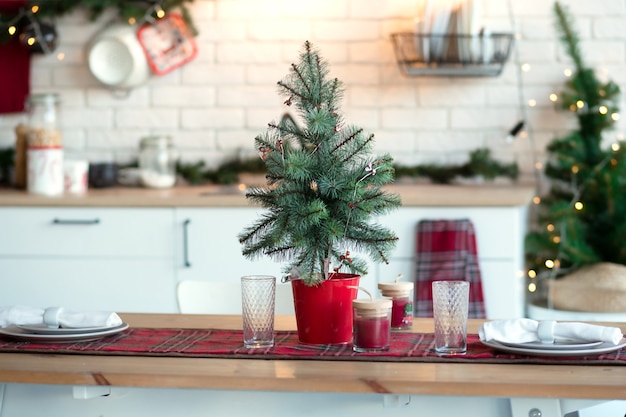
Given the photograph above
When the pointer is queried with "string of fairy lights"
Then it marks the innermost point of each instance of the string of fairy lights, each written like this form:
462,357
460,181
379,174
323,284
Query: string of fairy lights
31,33
41,37
580,106
553,265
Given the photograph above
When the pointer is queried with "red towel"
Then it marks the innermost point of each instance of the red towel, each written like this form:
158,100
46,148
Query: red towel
446,250
14,67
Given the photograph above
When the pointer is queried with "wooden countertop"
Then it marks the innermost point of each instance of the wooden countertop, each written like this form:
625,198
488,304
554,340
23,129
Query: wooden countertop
418,195
497,380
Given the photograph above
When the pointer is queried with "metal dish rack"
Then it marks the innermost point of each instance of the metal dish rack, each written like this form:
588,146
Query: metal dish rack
452,55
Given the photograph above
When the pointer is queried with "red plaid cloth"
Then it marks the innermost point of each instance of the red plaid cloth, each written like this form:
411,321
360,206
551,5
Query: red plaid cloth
228,344
446,250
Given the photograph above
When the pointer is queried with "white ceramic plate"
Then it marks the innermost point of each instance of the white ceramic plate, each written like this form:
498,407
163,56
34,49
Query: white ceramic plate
43,329
17,333
557,345
596,350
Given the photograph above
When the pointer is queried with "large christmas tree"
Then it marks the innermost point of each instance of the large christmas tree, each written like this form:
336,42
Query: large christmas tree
323,186
581,219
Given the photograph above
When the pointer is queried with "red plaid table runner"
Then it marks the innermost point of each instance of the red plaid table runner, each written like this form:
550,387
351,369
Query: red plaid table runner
446,250
210,343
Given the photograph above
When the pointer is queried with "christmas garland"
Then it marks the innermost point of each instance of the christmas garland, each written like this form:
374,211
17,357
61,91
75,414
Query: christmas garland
32,24
480,165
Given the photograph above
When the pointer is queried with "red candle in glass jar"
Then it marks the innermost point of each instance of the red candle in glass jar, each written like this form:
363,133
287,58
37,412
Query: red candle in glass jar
402,309
372,325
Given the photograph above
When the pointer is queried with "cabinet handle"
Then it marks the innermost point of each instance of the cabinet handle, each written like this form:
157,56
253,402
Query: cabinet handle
186,243
76,221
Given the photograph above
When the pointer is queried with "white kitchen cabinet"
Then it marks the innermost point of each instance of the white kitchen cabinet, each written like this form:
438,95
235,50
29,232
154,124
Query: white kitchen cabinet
499,237
88,258
208,248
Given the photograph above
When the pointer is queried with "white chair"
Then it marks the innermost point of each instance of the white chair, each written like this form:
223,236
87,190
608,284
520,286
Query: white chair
203,297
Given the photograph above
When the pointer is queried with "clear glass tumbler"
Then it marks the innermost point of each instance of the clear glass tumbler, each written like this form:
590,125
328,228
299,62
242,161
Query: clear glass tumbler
450,311
258,294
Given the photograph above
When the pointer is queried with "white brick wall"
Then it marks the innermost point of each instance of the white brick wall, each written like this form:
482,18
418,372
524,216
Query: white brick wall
215,106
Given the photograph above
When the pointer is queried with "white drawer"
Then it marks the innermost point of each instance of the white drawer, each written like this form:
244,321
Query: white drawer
123,285
86,232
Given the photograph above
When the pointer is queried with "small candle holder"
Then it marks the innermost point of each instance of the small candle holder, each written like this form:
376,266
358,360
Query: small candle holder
402,302
372,325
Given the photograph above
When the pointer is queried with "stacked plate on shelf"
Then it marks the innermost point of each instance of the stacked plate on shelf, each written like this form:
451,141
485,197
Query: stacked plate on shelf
43,333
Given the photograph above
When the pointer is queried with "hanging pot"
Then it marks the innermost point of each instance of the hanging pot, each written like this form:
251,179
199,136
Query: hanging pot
116,58
324,311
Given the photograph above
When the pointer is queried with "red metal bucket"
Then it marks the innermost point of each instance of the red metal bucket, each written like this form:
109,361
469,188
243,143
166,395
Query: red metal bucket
324,311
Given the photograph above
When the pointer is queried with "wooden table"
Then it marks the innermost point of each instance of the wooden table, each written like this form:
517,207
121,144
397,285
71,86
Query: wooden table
492,380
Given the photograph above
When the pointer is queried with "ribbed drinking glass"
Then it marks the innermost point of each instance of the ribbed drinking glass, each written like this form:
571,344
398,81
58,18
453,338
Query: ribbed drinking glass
450,311
258,293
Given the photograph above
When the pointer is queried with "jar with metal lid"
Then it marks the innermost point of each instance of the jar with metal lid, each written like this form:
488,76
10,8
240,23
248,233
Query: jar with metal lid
44,145
157,162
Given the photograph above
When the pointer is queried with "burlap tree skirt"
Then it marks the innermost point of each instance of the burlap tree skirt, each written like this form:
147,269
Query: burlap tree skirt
595,288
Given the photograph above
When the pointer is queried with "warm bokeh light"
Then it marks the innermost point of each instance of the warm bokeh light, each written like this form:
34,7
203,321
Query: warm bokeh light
536,199
603,110
532,102
615,116
578,205
580,104
575,169
532,287
526,67
532,273
615,147
556,239
550,228
553,97
34,9
12,30
567,72
549,263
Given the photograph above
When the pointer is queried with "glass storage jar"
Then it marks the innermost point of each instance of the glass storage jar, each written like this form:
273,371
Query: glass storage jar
44,145
157,162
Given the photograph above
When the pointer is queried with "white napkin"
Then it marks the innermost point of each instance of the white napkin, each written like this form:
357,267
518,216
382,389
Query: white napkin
528,330
57,317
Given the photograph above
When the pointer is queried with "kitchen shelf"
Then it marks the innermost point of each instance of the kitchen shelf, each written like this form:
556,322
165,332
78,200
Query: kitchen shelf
452,55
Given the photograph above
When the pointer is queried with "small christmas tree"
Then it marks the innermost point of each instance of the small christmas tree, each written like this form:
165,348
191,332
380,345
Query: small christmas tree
323,186
582,218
